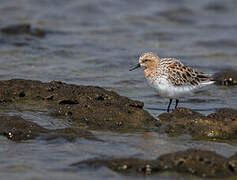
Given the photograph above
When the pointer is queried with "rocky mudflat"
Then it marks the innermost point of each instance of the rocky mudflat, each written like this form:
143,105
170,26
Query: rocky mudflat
98,109
192,161
18,129
219,125
94,108
84,106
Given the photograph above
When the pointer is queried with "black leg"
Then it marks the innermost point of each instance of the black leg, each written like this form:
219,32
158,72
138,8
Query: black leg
168,109
177,102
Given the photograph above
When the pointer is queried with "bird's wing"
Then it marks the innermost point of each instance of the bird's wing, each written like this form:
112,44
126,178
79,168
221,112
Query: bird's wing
179,74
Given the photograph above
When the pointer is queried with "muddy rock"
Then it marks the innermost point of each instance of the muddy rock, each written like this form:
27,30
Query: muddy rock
224,114
85,106
17,129
227,77
232,163
23,29
198,162
192,161
219,125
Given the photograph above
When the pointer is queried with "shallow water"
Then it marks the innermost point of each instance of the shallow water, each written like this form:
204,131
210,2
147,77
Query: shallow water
95,42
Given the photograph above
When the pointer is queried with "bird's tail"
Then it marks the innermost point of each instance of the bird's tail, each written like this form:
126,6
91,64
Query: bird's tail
206,79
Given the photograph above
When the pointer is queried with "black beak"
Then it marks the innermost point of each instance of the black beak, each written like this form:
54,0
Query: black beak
135,67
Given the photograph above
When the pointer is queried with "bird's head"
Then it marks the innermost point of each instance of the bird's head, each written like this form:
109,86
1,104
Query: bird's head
147,60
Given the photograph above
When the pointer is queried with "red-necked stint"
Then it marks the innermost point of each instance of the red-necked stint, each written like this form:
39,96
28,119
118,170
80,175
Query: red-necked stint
170,78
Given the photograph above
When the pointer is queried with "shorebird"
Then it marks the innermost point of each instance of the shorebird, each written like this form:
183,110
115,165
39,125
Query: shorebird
170,78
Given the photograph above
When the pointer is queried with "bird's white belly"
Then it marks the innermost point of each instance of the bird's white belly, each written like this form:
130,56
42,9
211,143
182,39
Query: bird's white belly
166,89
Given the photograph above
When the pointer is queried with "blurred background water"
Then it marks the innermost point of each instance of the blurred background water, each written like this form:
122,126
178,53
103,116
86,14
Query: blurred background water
94,42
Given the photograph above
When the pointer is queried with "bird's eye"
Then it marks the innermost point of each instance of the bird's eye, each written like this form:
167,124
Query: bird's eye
146,60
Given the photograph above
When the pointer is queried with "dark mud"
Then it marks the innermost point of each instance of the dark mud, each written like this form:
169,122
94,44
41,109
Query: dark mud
219,125
87,106
18,129
196,162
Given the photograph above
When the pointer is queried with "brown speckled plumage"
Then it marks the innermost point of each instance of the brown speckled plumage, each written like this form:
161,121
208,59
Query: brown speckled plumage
170,77
177,73
181,75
